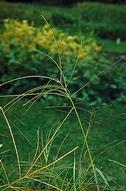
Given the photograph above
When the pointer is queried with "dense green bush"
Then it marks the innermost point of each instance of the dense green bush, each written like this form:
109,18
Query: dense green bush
21,11
18,57
101,12
59,17
108,21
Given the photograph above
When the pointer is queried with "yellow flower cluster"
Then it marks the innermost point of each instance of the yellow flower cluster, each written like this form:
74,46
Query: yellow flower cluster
22,35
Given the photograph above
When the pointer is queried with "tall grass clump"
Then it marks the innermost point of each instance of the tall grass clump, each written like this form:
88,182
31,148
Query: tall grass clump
37,169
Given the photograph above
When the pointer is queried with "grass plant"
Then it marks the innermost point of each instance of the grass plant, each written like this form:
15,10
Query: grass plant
69,168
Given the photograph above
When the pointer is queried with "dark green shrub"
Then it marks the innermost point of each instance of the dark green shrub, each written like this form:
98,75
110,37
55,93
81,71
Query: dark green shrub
108,21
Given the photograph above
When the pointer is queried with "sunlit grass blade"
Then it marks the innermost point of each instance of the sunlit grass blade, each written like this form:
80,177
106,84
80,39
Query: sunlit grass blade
13,140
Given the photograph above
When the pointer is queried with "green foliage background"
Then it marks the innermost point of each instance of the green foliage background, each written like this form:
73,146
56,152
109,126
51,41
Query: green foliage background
27,50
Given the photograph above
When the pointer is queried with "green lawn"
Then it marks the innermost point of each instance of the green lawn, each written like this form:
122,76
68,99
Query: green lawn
107,137
113,46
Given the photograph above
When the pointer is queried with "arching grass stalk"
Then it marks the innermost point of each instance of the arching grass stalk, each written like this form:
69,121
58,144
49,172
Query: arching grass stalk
59,66
13,140
5,172
74,173
48,89
31,91
85,142
64,92
84,135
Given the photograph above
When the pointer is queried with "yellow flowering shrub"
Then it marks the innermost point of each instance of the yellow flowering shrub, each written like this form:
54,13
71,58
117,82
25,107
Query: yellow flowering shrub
21,35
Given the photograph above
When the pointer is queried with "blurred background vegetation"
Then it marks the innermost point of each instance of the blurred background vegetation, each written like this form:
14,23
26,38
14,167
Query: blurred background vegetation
67,2
89,39
94,33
